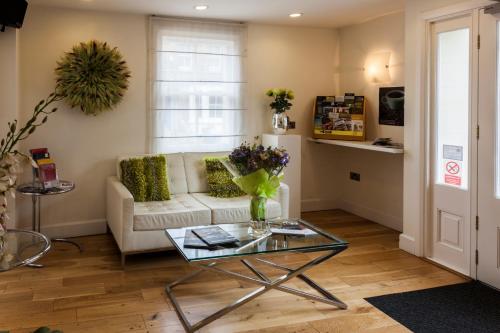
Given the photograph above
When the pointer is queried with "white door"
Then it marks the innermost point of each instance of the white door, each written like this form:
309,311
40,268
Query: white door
488,269
450,143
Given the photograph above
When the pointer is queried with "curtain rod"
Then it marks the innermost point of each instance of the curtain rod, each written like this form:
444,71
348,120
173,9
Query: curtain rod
196,19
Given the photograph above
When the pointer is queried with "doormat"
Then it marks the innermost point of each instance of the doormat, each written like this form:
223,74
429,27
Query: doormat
465,307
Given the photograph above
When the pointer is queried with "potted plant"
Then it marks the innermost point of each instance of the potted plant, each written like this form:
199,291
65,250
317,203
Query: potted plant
280,105
258,172
11,159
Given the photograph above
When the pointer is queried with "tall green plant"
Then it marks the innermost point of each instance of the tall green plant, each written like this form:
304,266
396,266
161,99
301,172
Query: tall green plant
11,159
16,134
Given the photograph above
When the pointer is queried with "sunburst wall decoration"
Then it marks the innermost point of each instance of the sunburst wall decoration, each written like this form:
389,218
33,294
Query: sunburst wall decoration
93,76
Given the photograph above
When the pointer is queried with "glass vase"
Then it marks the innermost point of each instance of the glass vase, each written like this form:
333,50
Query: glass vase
280,123
258,223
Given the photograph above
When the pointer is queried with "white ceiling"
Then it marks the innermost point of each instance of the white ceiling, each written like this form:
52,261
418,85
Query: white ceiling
317,13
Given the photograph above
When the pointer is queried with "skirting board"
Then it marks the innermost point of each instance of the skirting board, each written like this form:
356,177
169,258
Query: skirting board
75,229
407,243
313,205
371,214
316,204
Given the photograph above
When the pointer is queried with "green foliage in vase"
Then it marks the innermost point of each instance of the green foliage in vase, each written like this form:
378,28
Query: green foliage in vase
39,117
155,172
93,76
282,98
133,178
219,179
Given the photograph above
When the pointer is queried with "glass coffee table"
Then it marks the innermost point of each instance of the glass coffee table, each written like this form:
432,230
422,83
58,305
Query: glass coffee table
22,248
248,251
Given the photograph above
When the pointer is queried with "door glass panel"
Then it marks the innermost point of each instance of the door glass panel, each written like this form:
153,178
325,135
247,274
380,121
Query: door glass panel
452,106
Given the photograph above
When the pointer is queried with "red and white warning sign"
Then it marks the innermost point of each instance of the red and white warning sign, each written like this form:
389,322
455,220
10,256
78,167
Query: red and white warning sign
453,173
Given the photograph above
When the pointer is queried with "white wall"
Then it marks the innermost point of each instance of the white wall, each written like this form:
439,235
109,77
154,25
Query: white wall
8,92
8,73
304,60
85,148
379,194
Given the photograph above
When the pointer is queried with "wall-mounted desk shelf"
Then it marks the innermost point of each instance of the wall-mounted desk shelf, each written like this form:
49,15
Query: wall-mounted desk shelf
367,145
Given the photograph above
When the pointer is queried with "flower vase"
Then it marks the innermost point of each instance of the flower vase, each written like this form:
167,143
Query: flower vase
280,123
258,223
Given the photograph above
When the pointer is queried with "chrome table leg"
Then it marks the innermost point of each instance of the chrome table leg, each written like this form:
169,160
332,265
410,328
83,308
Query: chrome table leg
266,285
304,278
68,241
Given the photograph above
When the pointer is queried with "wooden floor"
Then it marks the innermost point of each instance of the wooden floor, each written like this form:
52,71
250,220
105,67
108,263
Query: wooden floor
89,292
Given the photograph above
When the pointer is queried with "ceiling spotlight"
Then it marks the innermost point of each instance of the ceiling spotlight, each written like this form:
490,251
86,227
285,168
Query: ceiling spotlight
295,15
201,7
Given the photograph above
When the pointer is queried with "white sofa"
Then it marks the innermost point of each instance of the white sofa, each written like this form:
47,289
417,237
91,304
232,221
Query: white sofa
140,226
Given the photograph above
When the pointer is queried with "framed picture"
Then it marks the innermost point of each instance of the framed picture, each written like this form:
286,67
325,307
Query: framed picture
391,109
339,117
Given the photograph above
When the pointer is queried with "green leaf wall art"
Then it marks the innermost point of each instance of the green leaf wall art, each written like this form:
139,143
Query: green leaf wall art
93,76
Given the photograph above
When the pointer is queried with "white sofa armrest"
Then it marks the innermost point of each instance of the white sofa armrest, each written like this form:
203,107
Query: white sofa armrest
119,211
283,197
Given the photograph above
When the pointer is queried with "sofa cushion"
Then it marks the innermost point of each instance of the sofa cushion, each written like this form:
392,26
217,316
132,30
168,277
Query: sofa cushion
133,178
155,171
182,210
219,179
196,175
176,174
234,210
175,171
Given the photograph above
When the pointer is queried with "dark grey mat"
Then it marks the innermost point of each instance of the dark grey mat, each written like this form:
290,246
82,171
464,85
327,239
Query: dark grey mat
466,307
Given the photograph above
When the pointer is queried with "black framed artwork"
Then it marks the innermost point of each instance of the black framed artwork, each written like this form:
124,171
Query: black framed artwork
392,106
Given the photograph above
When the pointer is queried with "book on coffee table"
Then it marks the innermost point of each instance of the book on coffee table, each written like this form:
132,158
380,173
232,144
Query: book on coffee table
214,236
293,229
191,241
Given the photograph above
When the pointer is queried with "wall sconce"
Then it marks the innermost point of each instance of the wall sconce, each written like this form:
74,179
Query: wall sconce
377,67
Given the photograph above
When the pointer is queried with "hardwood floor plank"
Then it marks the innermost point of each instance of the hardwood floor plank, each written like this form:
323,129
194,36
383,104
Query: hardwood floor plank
68,292
89,291
298,328
49,318
119,309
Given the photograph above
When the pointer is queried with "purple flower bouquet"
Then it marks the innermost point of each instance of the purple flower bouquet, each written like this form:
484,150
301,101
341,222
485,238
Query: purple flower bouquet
257,171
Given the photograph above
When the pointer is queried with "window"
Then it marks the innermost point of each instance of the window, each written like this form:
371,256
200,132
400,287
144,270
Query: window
452,97
198,85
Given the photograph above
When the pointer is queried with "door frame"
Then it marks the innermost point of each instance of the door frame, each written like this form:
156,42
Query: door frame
413,237
488,268
430,136
421,129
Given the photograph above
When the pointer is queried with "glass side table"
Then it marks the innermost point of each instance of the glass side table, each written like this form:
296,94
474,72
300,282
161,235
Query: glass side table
36,191
22,248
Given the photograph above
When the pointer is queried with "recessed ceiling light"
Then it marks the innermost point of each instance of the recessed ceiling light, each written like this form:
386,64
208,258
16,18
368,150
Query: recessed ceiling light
201,7
295,15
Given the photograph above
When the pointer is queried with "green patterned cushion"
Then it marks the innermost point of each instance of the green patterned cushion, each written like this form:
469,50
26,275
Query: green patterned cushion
133,178
220,181
155,172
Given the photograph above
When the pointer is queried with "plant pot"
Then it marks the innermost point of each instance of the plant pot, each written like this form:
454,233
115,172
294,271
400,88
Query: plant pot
258,223
280,123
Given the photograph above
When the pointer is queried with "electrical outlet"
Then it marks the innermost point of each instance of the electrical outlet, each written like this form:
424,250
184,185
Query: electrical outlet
355,176
291,125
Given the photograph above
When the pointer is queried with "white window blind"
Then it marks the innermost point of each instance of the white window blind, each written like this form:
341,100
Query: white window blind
198,85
